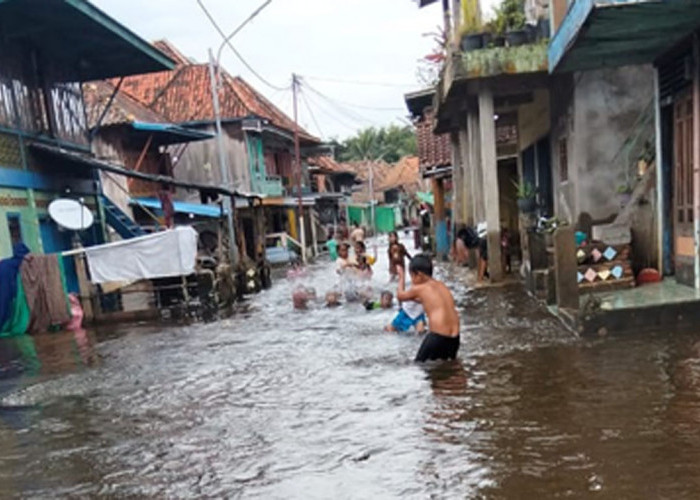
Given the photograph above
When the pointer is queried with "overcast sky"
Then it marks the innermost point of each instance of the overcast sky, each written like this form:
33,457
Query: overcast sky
365,41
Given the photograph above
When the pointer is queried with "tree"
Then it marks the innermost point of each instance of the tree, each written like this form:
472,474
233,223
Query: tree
385,143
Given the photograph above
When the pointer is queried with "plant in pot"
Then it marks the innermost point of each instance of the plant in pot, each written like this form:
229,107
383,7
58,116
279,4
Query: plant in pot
510,21
526,193
472,32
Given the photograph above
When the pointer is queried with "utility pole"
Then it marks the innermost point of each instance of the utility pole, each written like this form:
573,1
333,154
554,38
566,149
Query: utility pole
223,166
373,224
214,75
297,156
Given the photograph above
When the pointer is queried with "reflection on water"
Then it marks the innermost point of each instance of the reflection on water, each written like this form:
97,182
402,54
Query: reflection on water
276,403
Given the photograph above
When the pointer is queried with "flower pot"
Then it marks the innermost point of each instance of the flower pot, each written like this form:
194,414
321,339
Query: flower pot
543,29
515,38
474,41
527,205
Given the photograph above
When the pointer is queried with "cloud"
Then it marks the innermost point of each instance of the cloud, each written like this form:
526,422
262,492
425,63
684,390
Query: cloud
358,40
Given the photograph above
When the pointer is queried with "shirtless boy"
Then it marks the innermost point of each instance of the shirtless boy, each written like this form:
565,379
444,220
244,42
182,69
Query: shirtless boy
443,340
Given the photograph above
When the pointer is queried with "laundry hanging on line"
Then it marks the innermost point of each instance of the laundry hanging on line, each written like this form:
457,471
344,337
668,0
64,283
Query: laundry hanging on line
159,255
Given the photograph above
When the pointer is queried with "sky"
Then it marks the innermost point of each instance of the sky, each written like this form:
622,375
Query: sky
356,58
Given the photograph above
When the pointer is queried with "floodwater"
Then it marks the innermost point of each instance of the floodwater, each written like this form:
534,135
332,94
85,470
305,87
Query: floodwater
275,403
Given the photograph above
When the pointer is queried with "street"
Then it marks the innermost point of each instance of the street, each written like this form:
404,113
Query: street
274,403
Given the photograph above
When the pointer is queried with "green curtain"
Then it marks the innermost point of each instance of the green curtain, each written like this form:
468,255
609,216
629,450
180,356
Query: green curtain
19,320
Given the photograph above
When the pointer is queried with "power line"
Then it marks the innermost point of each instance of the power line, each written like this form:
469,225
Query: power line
339,108
360,106
238,55
306,103
354,128
360,82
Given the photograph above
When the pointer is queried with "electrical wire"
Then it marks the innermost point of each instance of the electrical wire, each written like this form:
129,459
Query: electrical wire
360,106
233,49
325,112
352,115
313,117
359,82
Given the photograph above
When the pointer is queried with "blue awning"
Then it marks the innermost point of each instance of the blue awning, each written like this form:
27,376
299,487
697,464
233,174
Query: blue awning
167,133
612,33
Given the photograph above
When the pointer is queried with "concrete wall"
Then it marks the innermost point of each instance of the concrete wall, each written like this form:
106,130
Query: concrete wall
200,162
533,119
593,113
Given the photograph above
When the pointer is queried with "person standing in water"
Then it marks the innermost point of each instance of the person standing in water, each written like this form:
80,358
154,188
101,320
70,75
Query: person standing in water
442,341
397,254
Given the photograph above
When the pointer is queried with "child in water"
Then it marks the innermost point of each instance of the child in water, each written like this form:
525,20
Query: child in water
411,315
397,254
386,300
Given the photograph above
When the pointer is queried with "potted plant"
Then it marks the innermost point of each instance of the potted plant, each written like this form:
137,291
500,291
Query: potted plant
472,32
510,20
526,193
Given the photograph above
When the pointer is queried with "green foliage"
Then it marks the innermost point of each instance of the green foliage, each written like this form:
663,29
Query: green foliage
471,17
510,16
386,143
526,191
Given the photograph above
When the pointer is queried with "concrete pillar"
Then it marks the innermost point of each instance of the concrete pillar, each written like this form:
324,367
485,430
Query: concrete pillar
565,268
489,166
457,181
442,243
465,188
476,178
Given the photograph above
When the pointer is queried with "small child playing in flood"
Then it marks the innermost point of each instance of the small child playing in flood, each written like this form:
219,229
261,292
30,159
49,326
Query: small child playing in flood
333,298
397,254
386,300
411,315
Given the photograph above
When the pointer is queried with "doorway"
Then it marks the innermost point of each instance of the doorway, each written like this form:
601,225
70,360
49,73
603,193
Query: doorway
683,199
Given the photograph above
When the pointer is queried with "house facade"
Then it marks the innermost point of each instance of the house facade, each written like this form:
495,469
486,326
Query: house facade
258,140
600,144
44,135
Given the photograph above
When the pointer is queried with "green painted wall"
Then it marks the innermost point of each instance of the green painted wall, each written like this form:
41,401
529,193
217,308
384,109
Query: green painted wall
17,201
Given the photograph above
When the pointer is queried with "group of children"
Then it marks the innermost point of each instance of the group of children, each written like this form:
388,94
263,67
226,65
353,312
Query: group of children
355,273
427,302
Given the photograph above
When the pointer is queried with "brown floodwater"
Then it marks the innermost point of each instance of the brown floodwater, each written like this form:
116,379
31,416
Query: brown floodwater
274,403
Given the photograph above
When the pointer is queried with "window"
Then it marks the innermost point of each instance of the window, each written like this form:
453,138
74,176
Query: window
563,160
15,227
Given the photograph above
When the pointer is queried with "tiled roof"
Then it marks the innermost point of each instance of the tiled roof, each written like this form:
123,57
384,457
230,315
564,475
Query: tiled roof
327,164
184,95
123,110
433,150
403,174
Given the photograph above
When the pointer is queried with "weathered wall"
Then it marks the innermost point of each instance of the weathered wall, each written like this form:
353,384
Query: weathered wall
533,119
200,161
592,114
607,105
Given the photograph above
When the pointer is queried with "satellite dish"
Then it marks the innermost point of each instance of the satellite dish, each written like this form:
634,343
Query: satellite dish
70,214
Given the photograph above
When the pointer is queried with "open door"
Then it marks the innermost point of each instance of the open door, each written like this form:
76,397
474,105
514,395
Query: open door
683,220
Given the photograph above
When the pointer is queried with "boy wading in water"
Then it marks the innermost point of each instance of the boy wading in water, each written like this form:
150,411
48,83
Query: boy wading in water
442,342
